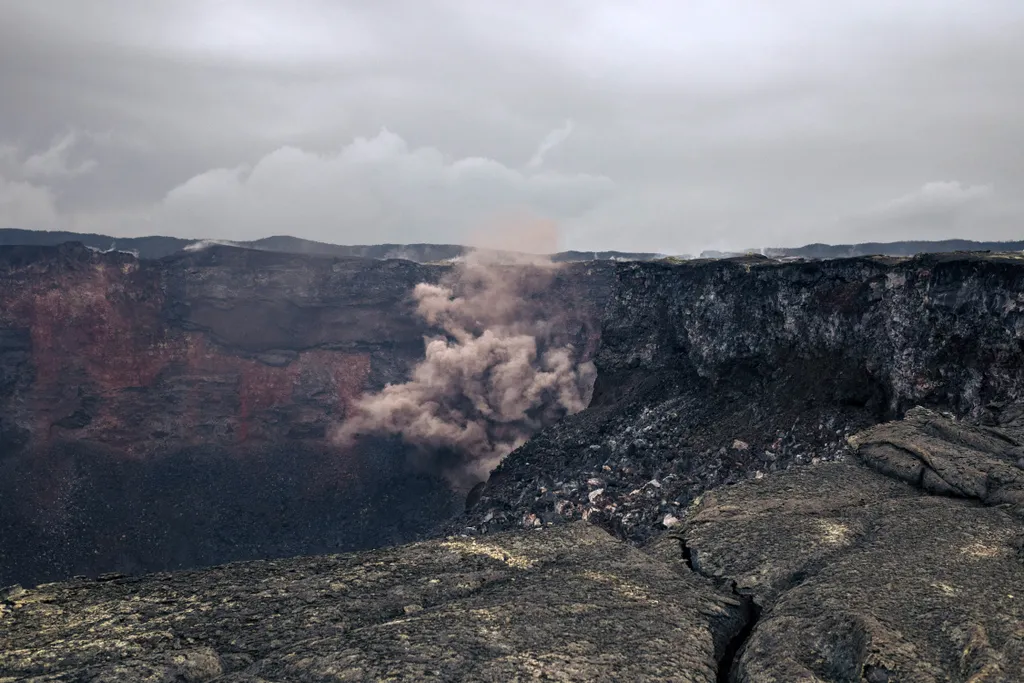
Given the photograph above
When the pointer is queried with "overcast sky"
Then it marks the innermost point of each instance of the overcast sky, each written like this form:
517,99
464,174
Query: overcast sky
669,126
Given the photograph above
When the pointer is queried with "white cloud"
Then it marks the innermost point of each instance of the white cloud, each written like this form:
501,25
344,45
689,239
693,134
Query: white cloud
381,189
373,190
726,124
26,198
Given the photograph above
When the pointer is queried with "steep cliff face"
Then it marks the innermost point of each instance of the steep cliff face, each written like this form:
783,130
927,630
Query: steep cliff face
714,372
942,329
219,347
174,413
158,414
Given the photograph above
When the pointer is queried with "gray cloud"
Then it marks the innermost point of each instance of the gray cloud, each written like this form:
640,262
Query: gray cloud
25,205
936,198
939,210
713,124
375,189
55,161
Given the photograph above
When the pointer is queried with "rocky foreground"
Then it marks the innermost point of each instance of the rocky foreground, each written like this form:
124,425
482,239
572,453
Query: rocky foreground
905,563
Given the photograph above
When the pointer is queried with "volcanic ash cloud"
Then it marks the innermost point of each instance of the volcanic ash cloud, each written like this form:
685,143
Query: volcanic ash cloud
500,372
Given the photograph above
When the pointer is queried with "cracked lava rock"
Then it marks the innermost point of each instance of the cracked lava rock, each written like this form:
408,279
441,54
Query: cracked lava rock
831,572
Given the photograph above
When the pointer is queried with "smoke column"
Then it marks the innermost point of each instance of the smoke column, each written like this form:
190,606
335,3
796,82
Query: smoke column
498,374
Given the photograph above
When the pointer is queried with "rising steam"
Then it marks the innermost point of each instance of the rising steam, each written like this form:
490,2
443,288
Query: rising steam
501,371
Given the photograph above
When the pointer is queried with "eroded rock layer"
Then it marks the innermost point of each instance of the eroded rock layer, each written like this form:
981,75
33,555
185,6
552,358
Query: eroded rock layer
175,413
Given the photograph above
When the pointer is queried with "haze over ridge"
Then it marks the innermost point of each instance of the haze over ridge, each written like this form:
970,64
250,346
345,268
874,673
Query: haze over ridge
656,128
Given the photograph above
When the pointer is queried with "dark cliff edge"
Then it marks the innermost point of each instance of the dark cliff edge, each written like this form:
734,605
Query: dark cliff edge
173,413
713,372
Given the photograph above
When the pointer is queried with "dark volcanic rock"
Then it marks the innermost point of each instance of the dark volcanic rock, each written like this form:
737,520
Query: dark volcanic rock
830,572
861,576
712,373
567,604
948,458
161,414
175,413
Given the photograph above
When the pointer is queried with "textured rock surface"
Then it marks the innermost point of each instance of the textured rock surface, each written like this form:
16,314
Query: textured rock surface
222,346
714,372
861,576
174,413
949,458
828,572
565,604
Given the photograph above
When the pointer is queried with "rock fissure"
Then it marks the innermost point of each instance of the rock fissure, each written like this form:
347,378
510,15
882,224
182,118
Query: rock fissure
572,603
862,617
735,636
727,663
687,554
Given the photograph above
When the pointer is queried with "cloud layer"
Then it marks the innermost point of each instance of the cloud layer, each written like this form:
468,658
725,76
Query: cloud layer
941,210
376,189
372,190
656,126
379,189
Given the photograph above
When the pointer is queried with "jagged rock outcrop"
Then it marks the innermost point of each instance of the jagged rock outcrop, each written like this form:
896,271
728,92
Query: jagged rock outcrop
949,458
711,373
175,413
862,576
830,572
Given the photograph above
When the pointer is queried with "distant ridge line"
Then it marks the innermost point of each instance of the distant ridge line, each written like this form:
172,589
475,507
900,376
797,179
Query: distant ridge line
157,246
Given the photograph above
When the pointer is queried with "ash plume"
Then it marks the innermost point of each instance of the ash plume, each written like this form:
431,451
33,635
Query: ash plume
500,371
